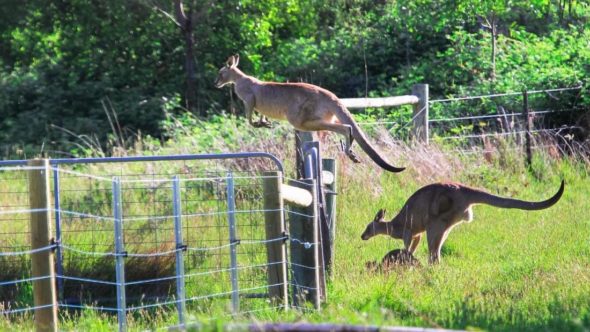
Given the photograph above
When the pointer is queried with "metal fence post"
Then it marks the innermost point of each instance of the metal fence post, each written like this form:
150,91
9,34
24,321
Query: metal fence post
319,277
305,248
330,197
313,171
42,267
180,293
58,253
231,216
119,255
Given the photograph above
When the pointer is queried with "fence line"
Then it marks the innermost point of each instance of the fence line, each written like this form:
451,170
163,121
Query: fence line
152,180
66,248
7,283
155,254
536,147
498,115
509,133
420,118
130,283
28,252
506,94
21,168
88,307
27,309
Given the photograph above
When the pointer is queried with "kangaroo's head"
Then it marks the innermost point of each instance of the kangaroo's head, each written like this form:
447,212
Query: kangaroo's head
228,72
375,227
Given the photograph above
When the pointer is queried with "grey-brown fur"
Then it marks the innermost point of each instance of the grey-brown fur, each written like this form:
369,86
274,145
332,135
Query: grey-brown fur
436,209
307,107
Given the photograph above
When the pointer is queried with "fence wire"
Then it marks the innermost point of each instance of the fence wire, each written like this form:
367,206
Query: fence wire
464,121
85,245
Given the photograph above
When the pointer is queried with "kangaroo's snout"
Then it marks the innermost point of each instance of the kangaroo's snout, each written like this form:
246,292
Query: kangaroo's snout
368,233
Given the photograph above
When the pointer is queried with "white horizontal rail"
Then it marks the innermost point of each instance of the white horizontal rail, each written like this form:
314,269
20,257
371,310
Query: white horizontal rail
297,196
379,102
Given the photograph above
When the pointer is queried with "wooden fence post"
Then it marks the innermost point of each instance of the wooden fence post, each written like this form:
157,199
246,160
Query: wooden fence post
420,116
275,228
527,126
42,266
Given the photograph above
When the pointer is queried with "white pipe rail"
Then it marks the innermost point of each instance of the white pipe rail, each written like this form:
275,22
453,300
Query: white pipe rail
379,102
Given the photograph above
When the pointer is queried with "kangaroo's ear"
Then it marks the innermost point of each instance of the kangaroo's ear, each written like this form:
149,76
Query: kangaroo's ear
236,61
380,215
230,61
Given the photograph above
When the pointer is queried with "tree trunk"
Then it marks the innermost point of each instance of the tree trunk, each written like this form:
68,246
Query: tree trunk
494,31
189,65
186,23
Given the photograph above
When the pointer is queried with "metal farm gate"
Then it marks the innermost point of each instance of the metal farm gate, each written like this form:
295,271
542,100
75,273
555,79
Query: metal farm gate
134,234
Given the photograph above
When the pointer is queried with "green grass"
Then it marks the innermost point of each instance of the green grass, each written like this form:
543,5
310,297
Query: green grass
507,270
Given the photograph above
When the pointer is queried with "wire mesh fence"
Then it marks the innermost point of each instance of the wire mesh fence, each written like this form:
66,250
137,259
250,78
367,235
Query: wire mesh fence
475,121
137,237
15,286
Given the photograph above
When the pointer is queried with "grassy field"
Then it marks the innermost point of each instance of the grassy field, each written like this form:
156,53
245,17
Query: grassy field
507,270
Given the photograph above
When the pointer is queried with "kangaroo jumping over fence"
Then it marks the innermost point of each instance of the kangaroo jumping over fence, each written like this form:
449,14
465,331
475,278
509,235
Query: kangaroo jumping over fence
436,209
307,107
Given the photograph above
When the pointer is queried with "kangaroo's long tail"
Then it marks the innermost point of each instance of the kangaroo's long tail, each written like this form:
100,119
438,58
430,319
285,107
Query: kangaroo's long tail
345,117
482,197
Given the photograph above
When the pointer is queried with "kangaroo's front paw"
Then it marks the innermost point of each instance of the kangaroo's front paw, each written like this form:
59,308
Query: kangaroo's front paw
266,124
260,124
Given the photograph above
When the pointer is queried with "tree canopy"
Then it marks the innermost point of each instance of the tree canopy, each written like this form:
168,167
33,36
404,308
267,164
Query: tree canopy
82,67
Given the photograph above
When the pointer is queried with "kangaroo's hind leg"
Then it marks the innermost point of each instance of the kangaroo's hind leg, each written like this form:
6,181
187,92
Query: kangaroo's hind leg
347,146
414,244
436,233
337,127
348,150
263,122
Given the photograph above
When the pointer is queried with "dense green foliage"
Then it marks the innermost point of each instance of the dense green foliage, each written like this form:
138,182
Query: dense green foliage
107,70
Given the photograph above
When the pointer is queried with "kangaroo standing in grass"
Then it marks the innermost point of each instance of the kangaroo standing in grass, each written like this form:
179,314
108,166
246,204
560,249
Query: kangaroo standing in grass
436,209
307,107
